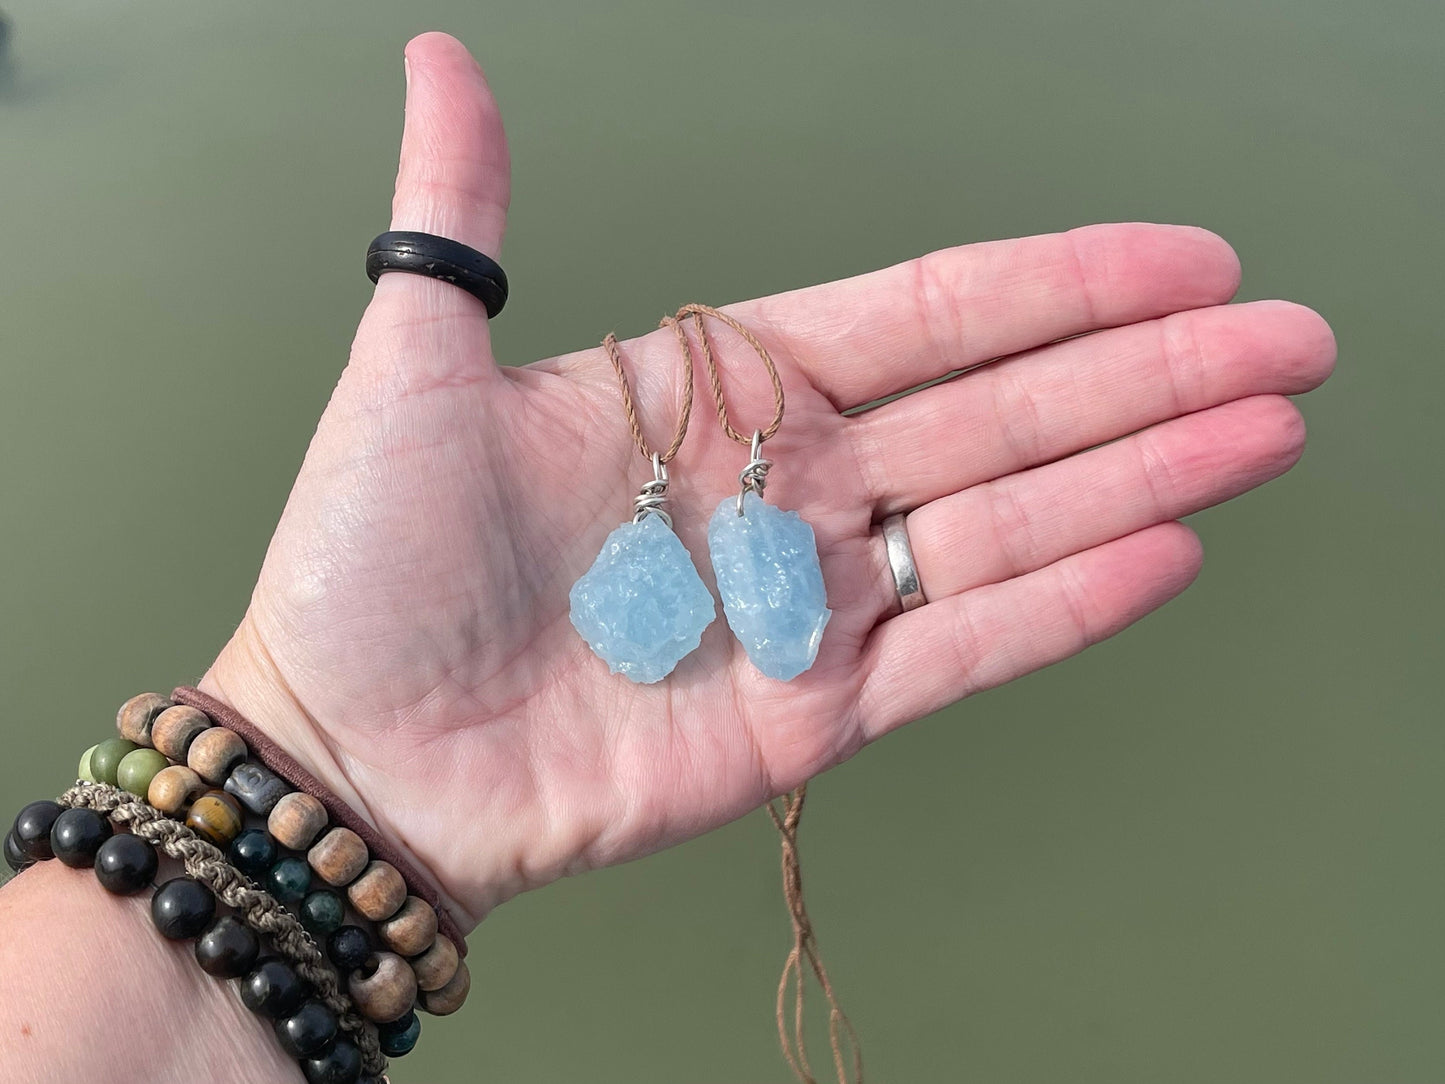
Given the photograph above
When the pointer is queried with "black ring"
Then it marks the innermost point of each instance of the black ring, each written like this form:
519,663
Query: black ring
439,258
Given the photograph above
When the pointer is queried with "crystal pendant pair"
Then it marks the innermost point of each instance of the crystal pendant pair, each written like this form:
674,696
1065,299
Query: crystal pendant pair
642,607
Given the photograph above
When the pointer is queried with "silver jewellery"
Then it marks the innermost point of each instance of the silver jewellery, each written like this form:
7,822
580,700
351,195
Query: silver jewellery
900,560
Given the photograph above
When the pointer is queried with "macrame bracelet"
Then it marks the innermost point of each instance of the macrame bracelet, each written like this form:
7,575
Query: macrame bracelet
260,910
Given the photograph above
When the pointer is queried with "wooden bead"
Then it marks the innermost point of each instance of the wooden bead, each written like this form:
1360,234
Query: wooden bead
379,892
214,754
412,929
449,998
258,787
174,788
384,988
435,967
216,816
297,820
338,856
175,728
137,714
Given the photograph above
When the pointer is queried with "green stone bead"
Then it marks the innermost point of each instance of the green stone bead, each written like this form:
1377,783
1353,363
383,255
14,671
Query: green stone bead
107,757
137,768
288,880
84,771
322,912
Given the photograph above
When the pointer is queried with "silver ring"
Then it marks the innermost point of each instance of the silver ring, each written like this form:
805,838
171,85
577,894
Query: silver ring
900,560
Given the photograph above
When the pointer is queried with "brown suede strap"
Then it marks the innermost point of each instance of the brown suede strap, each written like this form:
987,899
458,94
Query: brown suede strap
281,762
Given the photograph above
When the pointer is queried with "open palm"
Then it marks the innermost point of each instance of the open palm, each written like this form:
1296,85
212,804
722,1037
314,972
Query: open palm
408,638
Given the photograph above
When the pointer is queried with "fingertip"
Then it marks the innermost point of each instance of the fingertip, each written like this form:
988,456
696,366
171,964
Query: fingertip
1290,340
1144,570
1219,257
1187,552
1316,349
1140,270
436,46
1284,427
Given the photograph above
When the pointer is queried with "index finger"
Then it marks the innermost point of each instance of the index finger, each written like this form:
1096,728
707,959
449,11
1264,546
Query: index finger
877,334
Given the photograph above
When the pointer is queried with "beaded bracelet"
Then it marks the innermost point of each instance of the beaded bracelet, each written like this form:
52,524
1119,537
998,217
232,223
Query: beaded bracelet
170,752
74,830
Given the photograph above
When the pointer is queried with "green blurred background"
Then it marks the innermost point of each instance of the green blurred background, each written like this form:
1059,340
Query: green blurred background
1212,849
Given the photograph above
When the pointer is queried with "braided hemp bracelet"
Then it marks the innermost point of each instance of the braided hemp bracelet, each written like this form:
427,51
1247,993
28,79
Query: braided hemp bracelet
260,911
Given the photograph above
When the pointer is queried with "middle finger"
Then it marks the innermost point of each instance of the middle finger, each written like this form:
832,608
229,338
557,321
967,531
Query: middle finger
1038,406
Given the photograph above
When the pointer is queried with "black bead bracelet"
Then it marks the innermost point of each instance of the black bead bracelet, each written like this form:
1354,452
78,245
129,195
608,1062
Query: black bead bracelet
184,909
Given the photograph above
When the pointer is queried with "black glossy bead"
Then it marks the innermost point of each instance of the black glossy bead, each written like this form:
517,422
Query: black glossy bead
253,852
125,864
306,1031
348,948
273,989
32,829
15,858
76,835
227,948
340,1063
182,908
398,1037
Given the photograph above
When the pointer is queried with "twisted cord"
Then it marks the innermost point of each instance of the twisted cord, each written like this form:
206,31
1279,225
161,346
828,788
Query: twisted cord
841,1035
260,910
614,355
697,311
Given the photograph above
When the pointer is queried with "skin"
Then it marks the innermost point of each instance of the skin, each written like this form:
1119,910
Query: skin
408,639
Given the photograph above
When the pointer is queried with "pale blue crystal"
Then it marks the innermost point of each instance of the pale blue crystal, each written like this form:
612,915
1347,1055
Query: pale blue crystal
771,583
642,606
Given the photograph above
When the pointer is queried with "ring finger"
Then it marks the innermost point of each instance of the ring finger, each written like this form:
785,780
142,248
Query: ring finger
1015,525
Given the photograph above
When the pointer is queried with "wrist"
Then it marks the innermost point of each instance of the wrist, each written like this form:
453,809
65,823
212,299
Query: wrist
246,678
88,991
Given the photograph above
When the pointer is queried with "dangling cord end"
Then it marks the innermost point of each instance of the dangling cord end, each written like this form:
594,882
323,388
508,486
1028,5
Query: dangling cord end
652,500
754,477
841,1036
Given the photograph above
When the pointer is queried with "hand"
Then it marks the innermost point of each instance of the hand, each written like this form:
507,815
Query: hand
408,639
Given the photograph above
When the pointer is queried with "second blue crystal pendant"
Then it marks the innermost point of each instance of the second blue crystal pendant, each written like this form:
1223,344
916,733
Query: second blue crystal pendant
642,607
769,576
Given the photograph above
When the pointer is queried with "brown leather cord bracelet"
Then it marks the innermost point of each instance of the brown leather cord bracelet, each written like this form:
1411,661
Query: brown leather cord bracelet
283,764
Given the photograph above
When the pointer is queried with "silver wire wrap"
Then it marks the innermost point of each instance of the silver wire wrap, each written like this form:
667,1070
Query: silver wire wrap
754,476
652,500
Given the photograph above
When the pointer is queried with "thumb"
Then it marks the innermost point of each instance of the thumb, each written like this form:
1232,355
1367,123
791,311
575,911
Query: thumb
454,180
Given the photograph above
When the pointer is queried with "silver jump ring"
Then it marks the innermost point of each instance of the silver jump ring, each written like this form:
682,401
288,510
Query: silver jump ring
900,560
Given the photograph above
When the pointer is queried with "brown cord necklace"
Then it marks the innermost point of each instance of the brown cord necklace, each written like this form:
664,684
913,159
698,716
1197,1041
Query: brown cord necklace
766,564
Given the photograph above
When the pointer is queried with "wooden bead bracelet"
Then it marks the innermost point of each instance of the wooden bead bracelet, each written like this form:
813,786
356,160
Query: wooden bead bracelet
191,761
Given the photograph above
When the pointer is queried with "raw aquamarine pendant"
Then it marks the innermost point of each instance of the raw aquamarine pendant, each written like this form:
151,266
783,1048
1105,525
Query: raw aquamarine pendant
642,607
769,576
